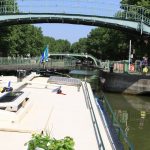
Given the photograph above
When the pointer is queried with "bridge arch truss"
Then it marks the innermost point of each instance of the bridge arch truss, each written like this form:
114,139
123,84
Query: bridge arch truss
84,12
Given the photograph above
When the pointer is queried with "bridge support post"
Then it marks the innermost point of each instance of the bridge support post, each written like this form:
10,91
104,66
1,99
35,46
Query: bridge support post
141,27
14,6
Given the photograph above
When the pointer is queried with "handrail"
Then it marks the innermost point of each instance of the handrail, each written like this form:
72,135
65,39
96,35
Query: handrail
52,62
34,62
95,124
95,60
134,12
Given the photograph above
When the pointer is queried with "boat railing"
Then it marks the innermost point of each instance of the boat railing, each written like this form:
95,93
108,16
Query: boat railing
115,124
93,116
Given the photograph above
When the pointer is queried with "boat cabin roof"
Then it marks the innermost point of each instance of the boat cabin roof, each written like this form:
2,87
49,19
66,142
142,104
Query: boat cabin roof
58,114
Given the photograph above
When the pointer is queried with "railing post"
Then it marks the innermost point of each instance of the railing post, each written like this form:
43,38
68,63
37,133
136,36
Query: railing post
14,6
127,12
142,14
142,19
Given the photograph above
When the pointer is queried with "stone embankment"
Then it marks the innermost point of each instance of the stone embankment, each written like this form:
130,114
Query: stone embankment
125,83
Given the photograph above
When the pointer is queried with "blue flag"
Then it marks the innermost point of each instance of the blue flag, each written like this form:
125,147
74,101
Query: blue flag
44,56
46,53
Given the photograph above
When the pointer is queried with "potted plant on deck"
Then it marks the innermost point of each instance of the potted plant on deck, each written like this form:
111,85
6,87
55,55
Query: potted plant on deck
44,142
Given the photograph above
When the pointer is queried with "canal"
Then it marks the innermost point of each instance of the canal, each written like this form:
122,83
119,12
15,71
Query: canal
132,112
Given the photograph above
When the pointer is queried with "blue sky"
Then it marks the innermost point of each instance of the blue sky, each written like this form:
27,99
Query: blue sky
69,32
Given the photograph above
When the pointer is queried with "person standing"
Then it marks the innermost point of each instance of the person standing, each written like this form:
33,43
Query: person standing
145,64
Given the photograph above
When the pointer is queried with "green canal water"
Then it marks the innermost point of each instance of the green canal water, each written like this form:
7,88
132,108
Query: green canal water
132,112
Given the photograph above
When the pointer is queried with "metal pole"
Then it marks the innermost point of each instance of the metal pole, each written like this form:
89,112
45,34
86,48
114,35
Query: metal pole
142,21
129,55
14,6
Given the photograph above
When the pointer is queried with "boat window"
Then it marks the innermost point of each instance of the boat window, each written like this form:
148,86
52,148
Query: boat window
10,97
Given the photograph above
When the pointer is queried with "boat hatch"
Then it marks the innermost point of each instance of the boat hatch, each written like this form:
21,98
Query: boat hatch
9,97
12,101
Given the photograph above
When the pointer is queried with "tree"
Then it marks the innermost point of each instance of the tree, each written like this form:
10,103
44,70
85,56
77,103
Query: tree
50,42
28,41
5,32
80,46
62,46
21,40
144,3
4,41
130,2
107,44
34,38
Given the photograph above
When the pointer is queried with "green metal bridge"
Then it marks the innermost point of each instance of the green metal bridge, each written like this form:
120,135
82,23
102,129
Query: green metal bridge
85,12
95,61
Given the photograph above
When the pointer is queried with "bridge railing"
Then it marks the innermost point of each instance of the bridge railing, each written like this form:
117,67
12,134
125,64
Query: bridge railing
133,12
138,9
80,7
75,57
20,62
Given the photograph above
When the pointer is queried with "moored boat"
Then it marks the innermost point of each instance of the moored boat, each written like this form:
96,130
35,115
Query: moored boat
58,106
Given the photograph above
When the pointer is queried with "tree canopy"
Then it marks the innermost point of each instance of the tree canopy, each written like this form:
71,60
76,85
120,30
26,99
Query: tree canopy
144,3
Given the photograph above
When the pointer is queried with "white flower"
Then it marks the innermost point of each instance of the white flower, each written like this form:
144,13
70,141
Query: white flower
38,148
48,143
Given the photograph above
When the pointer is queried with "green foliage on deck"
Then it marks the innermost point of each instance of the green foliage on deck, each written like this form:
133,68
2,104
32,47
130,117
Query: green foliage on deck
45,142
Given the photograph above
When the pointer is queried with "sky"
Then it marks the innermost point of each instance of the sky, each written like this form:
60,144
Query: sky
69,32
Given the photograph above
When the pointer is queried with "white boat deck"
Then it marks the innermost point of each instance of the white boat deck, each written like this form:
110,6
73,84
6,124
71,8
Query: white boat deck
58,114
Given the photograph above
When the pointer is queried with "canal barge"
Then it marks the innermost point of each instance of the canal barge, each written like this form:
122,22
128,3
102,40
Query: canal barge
58,106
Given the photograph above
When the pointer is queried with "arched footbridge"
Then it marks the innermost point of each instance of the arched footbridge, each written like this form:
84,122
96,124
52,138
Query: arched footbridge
85,12
95,61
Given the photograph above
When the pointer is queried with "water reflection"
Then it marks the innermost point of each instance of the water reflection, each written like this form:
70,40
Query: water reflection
133,113
138,102
122,117
142,118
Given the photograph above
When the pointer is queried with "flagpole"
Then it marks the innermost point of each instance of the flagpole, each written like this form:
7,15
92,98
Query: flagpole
129,55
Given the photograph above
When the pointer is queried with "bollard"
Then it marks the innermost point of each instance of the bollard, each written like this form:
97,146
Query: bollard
20,75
